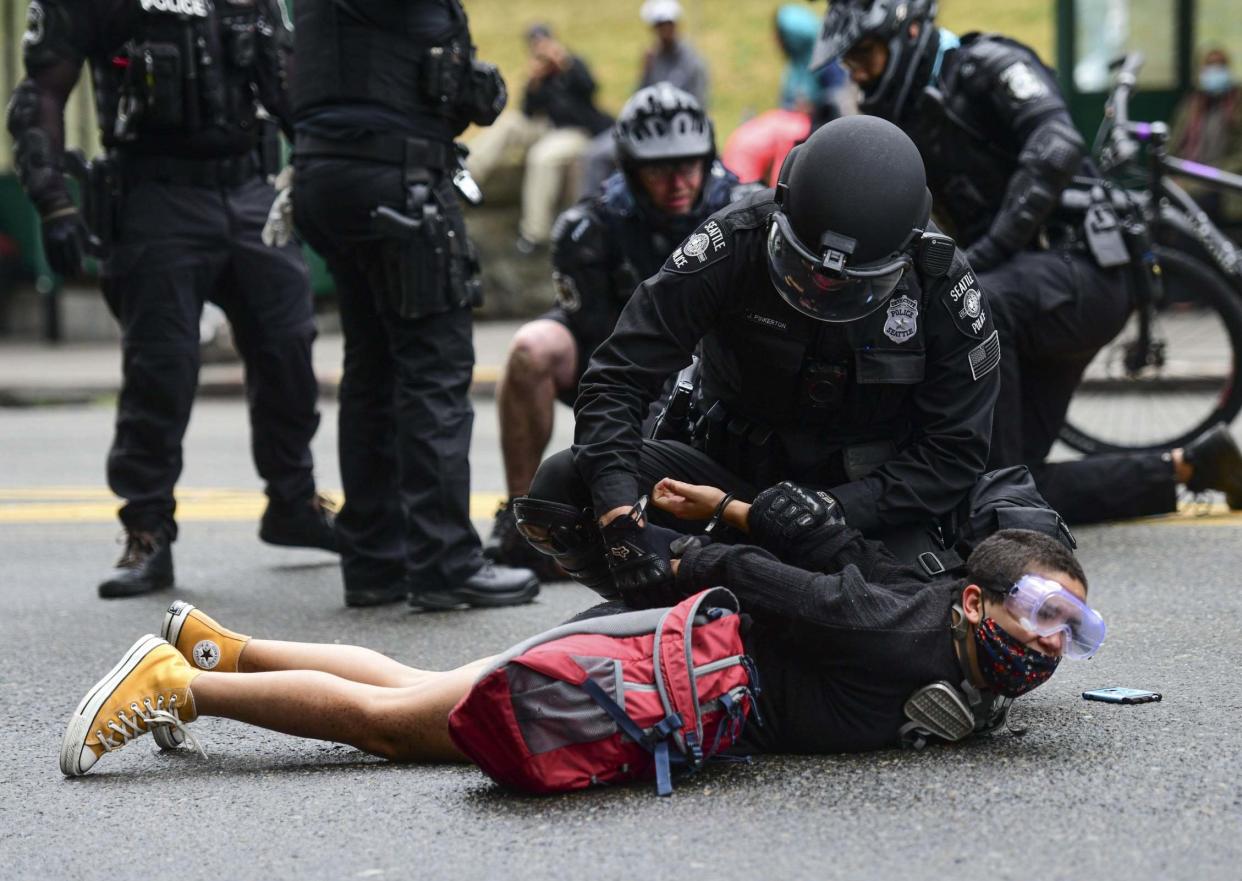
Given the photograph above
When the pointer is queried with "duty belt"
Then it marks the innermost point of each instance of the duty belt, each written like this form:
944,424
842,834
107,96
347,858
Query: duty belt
232,171
405,152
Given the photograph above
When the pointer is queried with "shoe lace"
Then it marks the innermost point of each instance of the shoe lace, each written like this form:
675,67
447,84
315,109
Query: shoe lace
1198,502
144,717
138,546
323,503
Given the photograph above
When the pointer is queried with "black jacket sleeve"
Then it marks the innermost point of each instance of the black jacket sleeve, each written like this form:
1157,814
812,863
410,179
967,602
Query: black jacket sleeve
844,600
275,68
59,36
655,337
952,416
1023,97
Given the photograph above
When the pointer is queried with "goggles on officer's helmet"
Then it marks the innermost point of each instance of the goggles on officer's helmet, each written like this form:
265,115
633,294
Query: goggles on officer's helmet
823,285
1046,608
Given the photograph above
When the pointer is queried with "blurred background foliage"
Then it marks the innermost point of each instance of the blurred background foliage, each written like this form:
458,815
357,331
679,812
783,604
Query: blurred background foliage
735,36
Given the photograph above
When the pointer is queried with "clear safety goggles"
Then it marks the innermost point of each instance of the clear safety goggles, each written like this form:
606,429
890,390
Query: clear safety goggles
1045,608
834,293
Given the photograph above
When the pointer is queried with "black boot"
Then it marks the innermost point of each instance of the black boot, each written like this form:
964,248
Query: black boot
493,585
1217,464
145,566
309,524
508,546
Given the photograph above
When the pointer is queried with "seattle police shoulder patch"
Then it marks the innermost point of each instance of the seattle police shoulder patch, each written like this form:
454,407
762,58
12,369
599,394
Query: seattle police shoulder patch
967,307
703,248
1022,82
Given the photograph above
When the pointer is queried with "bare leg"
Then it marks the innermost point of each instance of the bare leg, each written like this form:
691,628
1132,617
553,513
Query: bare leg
401,724
350,662
542,362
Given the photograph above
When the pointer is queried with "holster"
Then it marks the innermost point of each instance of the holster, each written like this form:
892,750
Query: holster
100,192
745,447
430,265
673,423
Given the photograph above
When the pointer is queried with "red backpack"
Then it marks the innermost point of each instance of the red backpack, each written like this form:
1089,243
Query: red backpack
612,699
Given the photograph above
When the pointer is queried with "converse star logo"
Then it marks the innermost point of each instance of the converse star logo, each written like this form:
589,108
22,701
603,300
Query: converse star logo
206,654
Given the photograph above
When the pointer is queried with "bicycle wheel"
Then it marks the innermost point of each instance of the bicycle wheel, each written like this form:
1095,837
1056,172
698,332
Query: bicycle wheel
1196,385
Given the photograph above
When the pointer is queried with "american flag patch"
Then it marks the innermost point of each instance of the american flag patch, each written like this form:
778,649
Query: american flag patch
985,356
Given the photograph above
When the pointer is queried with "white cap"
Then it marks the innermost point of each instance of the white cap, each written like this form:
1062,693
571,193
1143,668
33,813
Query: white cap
654,12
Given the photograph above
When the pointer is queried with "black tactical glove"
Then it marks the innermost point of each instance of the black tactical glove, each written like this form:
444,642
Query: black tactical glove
684,544
64,244
639,559
782,513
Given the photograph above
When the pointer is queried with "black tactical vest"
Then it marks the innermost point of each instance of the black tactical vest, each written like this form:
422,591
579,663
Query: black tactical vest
968,156
183,83
394,55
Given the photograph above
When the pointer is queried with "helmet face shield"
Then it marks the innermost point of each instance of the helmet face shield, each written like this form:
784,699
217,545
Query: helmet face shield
834,295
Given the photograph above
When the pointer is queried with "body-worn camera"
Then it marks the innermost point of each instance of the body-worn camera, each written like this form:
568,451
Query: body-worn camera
823,385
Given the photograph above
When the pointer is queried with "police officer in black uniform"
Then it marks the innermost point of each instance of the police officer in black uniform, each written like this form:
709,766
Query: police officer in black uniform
176,208
1000,147
834,351
391,85
602,248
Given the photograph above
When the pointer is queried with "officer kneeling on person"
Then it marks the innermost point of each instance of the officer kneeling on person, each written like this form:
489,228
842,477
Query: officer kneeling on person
834,352
174,211
388,87
603,247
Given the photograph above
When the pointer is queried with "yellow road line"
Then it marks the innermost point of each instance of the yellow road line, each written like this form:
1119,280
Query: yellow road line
95,504
59,504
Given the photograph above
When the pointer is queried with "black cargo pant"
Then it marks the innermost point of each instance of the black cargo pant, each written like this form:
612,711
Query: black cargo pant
405,412
1054,310
178,245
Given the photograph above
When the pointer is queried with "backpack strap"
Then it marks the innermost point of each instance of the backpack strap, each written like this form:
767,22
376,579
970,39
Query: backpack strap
657,747
939,562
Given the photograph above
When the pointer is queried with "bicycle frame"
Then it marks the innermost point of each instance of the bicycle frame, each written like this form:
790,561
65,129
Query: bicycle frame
1177,209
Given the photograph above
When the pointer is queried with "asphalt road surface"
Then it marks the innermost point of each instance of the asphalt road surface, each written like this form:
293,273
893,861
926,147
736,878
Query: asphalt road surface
1090,791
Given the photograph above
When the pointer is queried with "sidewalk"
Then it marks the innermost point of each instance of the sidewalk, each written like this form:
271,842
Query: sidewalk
32,374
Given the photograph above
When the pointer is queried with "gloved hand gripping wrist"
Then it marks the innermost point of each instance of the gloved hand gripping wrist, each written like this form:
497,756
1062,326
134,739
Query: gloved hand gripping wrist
639,559
782,514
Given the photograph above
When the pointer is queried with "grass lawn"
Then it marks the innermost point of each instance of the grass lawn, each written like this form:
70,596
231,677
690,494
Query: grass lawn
735,36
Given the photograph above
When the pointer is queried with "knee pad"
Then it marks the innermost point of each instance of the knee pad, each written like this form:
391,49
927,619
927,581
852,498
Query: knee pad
568,535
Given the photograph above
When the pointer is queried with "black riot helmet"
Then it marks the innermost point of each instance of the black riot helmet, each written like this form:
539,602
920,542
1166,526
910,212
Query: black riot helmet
852,200
848,22
660,124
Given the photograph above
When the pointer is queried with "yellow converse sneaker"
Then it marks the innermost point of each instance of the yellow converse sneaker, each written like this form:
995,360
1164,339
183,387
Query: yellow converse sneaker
201,641
149,690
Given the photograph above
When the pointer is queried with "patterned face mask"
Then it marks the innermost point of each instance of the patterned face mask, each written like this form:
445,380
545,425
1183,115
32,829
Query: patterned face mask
1008,667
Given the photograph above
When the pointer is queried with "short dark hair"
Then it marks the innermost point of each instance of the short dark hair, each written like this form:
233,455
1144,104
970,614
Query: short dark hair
1008,554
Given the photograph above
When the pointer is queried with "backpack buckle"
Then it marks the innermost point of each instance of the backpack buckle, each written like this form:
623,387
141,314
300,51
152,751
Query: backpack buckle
931,563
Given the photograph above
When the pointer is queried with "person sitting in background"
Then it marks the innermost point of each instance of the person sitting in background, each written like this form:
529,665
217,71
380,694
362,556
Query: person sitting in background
1207,128
556,123
670,60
